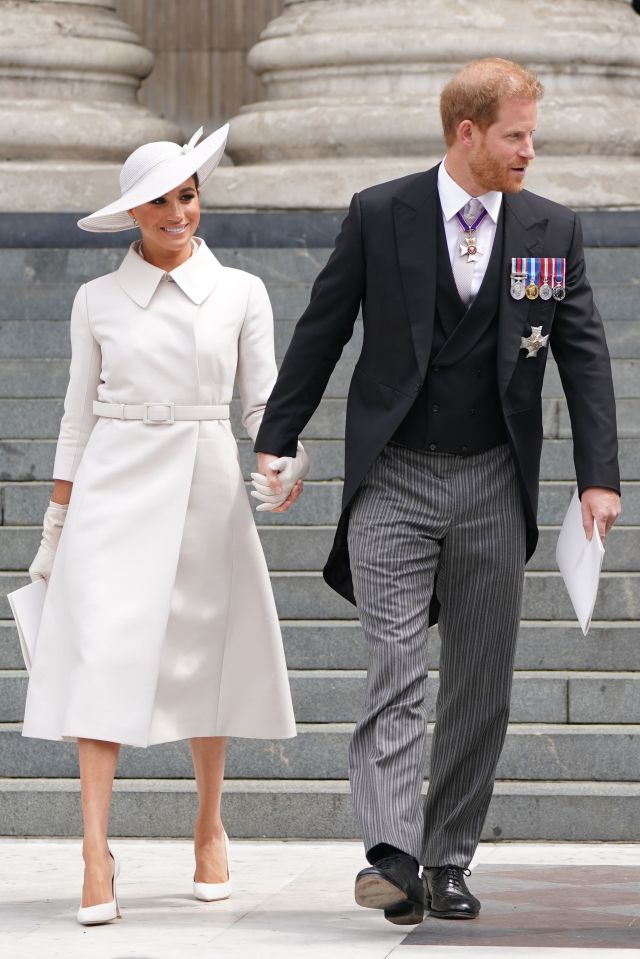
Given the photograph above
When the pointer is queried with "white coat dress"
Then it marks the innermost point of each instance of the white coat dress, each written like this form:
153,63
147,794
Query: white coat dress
159,622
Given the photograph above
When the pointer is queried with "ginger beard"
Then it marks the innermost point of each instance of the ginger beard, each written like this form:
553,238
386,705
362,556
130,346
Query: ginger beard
498,156
496,174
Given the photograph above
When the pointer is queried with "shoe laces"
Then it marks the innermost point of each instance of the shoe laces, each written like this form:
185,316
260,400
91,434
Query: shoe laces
454,875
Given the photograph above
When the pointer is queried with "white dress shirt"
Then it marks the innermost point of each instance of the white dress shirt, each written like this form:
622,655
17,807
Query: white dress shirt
452,199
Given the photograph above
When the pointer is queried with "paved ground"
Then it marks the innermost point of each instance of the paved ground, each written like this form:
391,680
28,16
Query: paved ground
294,901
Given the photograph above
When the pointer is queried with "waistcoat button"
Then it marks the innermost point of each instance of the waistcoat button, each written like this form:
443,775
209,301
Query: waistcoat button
435,408
433,447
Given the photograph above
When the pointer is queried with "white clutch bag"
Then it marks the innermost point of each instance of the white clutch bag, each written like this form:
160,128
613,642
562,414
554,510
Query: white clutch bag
26,605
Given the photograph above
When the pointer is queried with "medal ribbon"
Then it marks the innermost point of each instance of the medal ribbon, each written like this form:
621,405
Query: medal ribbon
465,226
545,268
533,269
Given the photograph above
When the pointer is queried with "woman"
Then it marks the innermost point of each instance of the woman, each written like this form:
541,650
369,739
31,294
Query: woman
159,622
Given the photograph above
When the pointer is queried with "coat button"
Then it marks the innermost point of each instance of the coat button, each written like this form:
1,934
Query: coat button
435,367
433,447
435,408
472,411
417,387
465,449
478,372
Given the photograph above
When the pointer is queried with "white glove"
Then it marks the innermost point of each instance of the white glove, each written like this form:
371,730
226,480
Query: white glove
290,469
51,529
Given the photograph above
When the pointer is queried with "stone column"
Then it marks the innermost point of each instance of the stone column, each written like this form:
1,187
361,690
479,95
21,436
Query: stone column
69,77
353,89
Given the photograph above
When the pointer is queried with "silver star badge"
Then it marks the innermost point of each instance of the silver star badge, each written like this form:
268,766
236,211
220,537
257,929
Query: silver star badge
534,342
469,248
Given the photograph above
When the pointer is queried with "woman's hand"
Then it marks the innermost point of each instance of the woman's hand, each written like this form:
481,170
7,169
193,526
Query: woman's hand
279,483
51,530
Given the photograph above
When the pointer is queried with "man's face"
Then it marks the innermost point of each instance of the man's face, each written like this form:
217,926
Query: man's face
499,158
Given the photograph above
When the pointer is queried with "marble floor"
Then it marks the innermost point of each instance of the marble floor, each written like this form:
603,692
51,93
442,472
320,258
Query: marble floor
293,900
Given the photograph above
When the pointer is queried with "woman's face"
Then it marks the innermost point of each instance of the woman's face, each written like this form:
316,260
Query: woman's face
168,222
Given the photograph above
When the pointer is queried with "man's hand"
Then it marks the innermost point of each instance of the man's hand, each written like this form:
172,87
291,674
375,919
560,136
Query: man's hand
601,505
274,483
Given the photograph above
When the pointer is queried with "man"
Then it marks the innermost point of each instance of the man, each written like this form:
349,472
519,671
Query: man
464,281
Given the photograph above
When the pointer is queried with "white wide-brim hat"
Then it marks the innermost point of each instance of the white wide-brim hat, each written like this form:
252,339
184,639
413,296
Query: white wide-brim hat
153,170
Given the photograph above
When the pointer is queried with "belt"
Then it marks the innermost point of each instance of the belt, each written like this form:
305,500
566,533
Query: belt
157,414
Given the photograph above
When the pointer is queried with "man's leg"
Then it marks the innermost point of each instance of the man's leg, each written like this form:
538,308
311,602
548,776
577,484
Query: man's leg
479,585
395,526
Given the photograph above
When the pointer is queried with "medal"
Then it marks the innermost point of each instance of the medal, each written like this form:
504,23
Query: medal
533,274
559,290
534,342
535,277
519,278
518,283
469,244
469,247
545,290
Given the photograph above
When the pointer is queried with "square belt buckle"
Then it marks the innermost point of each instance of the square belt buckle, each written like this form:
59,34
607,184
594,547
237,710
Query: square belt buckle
156,414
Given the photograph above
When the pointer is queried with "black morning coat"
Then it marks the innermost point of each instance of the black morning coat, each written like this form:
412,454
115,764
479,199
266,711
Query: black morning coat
384,260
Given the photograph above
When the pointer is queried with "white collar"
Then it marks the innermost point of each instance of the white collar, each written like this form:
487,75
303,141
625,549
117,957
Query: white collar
453,197
196,277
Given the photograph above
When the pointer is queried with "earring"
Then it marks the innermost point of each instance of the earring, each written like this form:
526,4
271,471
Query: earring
134,221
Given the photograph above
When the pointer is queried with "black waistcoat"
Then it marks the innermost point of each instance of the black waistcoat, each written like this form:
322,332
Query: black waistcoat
458,409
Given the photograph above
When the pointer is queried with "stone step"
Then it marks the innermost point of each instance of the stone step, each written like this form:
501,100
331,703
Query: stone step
622,338
23,504
40,419
305,595
315,809
335,696
283,265
280,264
39,340
37,378
27,460
306,548
339,644
532,752
41,284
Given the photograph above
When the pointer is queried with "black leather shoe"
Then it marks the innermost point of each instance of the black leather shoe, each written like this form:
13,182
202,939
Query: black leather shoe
447,894
394,885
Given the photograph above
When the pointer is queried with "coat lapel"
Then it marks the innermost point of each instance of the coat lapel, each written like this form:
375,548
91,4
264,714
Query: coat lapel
197,277
523,236
415,217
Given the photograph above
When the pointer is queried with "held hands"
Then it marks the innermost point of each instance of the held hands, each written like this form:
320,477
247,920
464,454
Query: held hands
51,529
599,505
279,482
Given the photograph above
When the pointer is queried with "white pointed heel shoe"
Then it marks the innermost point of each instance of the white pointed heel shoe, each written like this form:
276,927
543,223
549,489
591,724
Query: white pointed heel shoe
212,891
104,911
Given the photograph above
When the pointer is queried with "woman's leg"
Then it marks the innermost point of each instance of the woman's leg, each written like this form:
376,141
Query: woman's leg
98,760
208,762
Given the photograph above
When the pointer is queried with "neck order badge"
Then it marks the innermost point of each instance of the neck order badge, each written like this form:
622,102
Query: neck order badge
469,246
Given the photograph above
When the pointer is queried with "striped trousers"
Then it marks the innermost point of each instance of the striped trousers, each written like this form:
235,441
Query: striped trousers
423,521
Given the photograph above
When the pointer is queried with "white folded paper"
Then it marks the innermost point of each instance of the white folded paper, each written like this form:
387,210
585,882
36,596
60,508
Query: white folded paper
580,561
26,605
